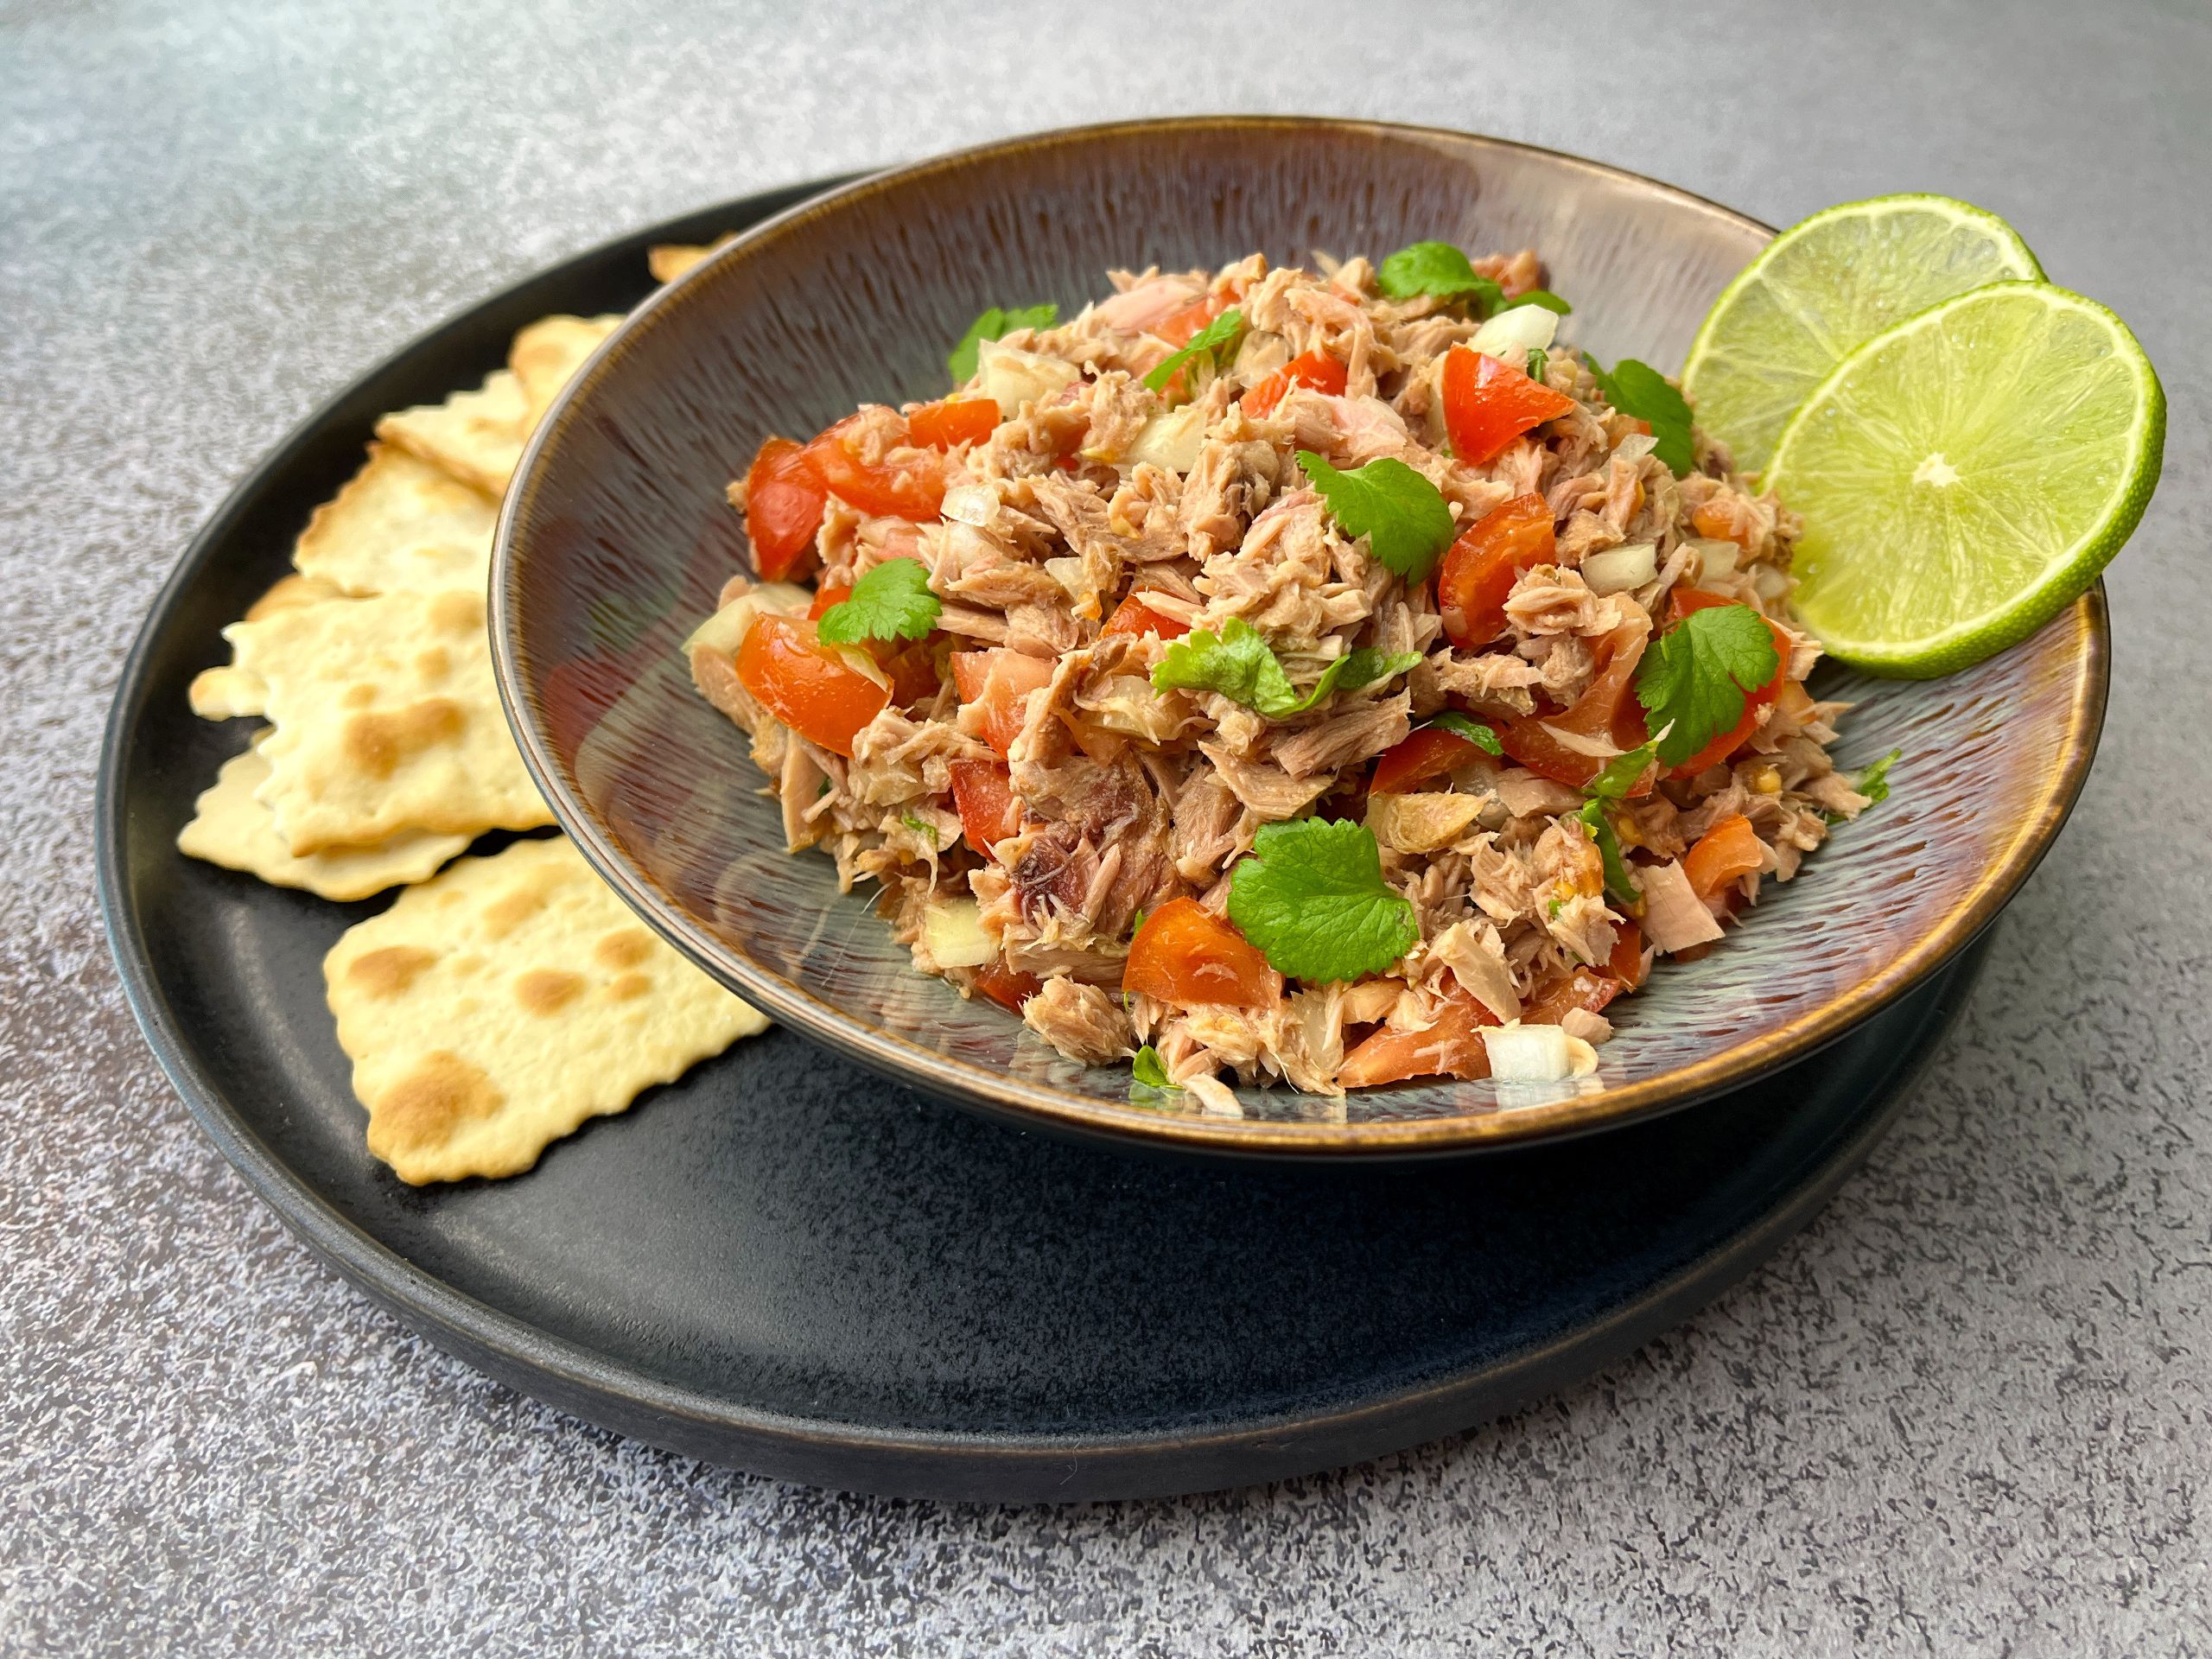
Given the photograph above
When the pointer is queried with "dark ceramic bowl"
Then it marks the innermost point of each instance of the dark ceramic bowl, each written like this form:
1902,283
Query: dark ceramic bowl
616,536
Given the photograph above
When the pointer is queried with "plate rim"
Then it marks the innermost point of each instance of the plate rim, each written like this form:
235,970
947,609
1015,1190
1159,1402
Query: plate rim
1001,1467
1034,1103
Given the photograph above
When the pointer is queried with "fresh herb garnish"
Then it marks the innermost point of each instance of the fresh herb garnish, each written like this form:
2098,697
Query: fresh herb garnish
1543,296
1874,782
1538,362
1148,1068
1239,665
1311,895
1639,390
1695,677
1619,775
1620,885
1439,271
920,826
1472,730
891,601
1222,333
992,325
1403,515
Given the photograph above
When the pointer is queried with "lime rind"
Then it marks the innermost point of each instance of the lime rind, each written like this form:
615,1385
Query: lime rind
1821,289
2038,406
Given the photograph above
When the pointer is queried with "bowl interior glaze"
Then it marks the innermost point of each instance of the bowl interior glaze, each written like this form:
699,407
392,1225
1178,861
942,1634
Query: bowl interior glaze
616,538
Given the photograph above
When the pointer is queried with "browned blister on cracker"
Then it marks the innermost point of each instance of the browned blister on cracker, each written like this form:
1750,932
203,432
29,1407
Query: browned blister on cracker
387,720
495,1008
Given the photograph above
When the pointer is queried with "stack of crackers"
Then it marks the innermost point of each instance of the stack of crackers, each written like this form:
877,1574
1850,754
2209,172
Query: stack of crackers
502,1000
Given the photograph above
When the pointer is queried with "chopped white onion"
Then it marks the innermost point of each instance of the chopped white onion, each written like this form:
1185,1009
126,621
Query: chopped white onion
1068,572
952,932
1171,440
1715,558
726,629
1771,583
1619,568
1513,335
972,504
1521,1053
1597,747
1636,446
1011,377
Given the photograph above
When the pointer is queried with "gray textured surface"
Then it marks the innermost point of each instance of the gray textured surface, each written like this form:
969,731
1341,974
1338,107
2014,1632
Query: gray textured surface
1966,1413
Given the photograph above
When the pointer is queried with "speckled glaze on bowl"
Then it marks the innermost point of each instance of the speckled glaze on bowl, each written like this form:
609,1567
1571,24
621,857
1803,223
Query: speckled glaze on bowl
616,536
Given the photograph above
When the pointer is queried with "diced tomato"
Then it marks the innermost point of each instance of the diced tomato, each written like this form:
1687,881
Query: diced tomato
953,421
1727,850
1315,369
1583,989
1626,963
810,686
1488,404
1725,519
1607,710
1427,753
1133,615
983,792
1453,1047
1480,571
833,593
912,665
1177,327
913,490
1008,987
1000,682
1680,604
783,498
1184,954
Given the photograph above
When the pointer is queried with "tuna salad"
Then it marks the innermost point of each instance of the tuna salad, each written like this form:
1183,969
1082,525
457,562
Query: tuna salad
1271,674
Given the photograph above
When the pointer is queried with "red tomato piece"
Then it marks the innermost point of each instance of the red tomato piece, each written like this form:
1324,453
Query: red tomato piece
1480,571
1729,850
1000,682
1315,369
1177,327
783,498
953,421
1626,963
1184,954
1680,604
1008,987
913,490
1453,1047
1427,753
1726,519
826,595
1488,404
1607,710
1583,989
1133,615
982,791
810,686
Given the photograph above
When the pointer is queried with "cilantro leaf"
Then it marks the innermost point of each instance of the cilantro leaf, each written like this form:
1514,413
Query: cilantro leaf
1441,270
1311,895
1619,774
1620,885
919,826
1638,390
1222,332
1239,665
1543,296
1874,782
993,325
891,601
1149,1070
1693,678
1401,514
1472,730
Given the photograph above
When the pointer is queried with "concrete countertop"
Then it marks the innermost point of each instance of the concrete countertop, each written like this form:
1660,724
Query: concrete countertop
1966,1413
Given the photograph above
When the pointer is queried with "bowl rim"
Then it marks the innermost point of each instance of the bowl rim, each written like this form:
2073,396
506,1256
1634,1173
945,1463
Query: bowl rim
1033,1103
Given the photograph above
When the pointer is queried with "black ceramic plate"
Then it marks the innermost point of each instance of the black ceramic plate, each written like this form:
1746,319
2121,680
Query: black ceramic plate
784,1263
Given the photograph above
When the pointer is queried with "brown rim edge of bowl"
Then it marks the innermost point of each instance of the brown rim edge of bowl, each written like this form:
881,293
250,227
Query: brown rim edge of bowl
1008,1097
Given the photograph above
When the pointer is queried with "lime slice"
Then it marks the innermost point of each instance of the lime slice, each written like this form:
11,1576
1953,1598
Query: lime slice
1820,290
1964,476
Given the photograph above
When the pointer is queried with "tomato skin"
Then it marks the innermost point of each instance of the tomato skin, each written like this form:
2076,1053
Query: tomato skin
1315,369
1185,955
1608,710
1729,850
1723,521
783,498
806,683
914,492
1626,963
1008,987
1453,1047
1479,572
982,791
1000,682
831,593
1133,615
1488,404
912,665
953,421
1583,989
1680,604
1427,753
